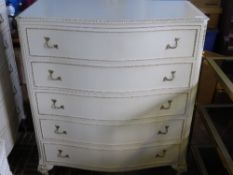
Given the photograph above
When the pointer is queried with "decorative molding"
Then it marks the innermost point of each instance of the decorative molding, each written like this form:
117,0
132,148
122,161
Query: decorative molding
118,23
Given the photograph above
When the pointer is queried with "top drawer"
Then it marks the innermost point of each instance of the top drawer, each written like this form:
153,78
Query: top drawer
112,45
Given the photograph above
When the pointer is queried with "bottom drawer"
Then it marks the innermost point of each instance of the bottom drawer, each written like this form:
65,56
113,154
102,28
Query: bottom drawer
111,160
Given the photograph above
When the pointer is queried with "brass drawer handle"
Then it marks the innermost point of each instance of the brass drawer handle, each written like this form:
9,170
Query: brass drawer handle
174,46
1,19
62,156
56,131
171,78
51,76
48,45
164,132
162,154
166,107
54,106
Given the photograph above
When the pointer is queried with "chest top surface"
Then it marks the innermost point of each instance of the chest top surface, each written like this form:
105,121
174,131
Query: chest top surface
112,10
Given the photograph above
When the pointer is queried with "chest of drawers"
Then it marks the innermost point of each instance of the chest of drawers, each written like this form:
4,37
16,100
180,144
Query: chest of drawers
112,84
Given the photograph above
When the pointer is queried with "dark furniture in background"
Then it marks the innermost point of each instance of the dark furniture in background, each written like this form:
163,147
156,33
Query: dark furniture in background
218,121
225,37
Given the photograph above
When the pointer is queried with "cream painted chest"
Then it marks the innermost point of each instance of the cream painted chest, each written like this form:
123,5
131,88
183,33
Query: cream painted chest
11,101
112,83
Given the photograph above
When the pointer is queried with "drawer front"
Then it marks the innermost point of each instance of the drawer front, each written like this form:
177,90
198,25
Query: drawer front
110,108
112,46
3,18
128,133
111,78
111,159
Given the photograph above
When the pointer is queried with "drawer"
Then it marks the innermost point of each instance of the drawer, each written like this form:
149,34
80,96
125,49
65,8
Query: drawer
127,133
111,108
96,78
112,46
3,18
111,160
